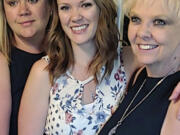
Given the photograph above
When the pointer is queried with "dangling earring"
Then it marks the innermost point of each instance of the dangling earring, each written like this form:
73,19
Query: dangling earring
51,13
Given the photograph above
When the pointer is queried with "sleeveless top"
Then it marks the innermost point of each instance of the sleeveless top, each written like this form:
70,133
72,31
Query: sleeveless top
19,67
148,117
68,116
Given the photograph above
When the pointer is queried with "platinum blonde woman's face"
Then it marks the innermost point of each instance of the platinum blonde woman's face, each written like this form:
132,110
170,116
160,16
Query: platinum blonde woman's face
153,32
79,19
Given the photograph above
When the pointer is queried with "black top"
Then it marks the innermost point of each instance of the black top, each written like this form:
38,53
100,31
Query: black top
146,119
20,66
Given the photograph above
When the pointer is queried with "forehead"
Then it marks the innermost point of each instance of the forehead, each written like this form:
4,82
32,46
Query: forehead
171,6
156,4
73,1
151,7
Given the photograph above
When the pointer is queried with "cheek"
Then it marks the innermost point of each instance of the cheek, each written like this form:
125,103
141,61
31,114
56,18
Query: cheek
92,15
95,16
10,14
11,21
162,37
64,19
42,13
131,33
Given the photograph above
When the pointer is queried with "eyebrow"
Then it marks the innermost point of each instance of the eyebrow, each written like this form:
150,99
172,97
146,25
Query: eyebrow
82,1
154,16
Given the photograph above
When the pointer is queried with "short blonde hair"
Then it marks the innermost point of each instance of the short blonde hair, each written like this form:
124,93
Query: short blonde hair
172,5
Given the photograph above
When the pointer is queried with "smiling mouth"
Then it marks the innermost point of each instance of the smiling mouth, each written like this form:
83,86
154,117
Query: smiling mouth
147,46
79,28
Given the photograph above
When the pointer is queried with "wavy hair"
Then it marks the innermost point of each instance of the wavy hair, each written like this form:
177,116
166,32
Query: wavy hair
6,34
106,40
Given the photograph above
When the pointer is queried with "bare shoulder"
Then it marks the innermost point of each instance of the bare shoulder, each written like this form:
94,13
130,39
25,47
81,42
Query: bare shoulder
35,97
38,77
130,61
3,60
39,66
171,123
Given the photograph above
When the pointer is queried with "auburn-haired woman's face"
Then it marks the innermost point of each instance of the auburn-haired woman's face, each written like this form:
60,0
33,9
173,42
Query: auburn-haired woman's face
79,19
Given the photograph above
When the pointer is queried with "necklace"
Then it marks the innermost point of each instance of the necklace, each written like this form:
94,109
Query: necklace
126,113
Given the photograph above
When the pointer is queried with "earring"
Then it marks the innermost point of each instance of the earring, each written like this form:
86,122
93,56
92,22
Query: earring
51,13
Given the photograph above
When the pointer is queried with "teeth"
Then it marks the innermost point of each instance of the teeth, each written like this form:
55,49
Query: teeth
147,47
79,28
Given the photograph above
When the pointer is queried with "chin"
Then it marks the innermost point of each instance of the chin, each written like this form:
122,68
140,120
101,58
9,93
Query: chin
81,42
28,34
146,61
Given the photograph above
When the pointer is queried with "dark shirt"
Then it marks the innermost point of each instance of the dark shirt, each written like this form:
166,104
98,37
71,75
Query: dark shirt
146,119
20,66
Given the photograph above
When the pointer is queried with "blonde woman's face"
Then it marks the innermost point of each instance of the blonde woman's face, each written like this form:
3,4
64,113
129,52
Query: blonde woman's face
79,19
27,18
154,32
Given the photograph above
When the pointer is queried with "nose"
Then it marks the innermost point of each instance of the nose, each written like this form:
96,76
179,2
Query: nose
144,31
76,15
24,8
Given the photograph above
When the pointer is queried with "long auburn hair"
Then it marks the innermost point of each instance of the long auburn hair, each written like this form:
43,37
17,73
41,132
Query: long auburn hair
106,39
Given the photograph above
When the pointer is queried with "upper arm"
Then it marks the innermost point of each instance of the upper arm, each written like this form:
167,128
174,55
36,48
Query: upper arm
171,125
5,96
34,102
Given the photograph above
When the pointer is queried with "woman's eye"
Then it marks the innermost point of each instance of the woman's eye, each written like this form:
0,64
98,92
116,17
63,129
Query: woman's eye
12,3
135,19
32,1
86,5
159,22
64,8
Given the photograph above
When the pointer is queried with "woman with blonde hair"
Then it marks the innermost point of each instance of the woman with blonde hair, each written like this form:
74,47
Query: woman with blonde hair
23,28
154,36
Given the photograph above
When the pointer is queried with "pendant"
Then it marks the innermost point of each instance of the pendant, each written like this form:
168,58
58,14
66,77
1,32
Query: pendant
113,130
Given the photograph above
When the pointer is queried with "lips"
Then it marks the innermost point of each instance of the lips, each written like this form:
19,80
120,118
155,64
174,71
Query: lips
147,46
79,29
26,23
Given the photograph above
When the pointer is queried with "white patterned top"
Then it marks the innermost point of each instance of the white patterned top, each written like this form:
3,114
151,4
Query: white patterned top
68,116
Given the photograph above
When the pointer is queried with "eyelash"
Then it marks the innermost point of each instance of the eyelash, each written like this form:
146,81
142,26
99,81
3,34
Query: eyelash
135,19
33,1
15,2
159,22
64,7
12,3
84,5
156,22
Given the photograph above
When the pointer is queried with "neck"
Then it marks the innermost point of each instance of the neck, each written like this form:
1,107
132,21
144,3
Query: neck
162,69
166,65
83,54
31,45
